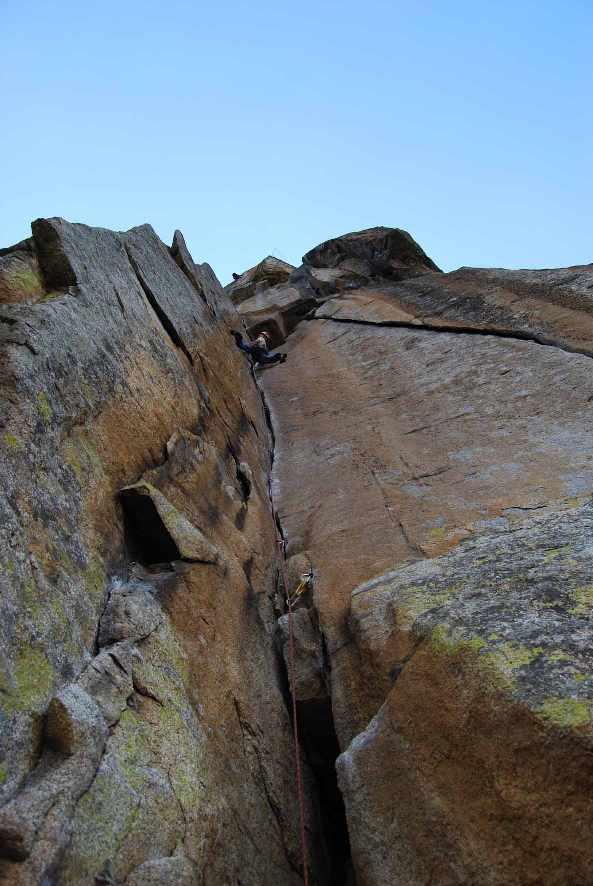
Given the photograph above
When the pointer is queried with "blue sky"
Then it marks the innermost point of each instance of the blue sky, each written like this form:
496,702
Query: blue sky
267,127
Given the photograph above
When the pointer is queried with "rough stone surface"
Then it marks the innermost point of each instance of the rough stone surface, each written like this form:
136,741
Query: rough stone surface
485,658
278,310
548,306
128,378
175,871
375,254
427,450
310,675
413,417
276,297
20,276
269,272
203,278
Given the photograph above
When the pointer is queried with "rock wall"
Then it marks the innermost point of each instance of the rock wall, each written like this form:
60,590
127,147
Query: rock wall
425,454
144,734
434,465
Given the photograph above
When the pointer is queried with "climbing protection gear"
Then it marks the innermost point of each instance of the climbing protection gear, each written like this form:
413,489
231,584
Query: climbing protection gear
290,601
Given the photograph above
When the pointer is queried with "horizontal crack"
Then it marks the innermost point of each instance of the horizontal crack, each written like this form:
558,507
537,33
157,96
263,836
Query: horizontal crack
515,335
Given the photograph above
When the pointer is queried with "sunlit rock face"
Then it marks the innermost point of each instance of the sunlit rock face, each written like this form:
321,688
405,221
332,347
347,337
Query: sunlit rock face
434,464
415,478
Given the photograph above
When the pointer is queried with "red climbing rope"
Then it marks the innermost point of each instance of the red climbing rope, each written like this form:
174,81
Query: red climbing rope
295,725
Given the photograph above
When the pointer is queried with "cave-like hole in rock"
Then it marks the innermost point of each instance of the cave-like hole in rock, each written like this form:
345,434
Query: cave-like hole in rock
320,743
148,541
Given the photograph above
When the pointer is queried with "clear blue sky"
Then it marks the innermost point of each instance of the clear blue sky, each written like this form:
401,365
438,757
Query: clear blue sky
261,127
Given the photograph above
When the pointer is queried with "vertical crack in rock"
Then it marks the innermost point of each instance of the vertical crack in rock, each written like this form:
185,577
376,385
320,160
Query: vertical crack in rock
317,733
164,320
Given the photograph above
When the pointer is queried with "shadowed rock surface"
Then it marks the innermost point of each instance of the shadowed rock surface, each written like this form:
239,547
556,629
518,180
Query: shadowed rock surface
143,715
425,453
268,273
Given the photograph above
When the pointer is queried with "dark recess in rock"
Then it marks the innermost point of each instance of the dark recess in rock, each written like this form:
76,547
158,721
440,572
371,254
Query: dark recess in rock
320,743
147,539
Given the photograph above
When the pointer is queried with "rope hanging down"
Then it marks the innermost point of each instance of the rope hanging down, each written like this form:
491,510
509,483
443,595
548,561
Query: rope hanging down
290,600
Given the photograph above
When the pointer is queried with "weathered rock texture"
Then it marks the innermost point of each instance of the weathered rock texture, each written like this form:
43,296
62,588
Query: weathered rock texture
434,463
427,448
275,296
144,736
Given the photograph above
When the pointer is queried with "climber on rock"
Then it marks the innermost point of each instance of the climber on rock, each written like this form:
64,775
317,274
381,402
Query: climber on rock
259,349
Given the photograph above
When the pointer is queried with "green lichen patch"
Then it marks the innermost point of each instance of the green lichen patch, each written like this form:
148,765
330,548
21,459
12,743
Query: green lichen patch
95,579
570,713
558,655
32,681
25,281
555,553
12,443
81,455
583,597
43,407
474,651
104,815
512,656
444,639
3,772
420,602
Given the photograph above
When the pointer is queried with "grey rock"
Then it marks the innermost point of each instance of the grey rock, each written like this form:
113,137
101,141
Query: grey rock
310,676
131,613
385,253
109,679
269,272
73,721
203,278
174,871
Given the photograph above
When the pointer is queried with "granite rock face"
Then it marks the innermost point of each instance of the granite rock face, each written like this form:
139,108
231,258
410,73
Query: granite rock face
144,736
268,273
276,297
417,478
434,464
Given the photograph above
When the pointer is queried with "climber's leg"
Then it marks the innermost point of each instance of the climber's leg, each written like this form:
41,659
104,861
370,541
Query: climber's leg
270,359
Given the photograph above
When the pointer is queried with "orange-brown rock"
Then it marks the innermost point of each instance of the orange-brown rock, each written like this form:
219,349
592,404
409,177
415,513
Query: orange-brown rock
424,454
411,419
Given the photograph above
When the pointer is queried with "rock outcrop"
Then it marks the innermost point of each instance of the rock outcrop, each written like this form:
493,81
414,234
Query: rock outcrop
276,297
433,462
425,457
144,731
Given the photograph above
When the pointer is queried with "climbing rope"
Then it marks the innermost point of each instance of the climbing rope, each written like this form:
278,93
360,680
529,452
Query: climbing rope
290,600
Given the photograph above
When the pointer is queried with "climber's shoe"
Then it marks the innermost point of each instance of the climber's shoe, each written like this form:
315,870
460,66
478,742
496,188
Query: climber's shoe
283,358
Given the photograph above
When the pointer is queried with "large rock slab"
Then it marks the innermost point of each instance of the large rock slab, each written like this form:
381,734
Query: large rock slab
353,260
276,296
486,732
270,272
548,306
434,436
411,417
127,377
